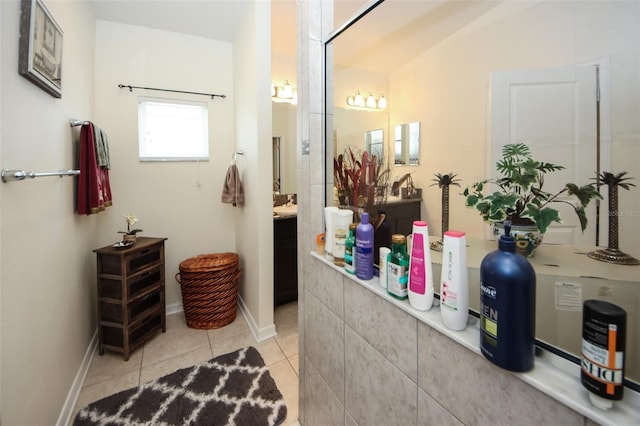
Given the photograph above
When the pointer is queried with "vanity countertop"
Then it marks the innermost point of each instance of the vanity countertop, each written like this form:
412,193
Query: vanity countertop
285,212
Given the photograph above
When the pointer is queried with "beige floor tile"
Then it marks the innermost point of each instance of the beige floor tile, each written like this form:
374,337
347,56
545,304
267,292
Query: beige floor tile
106,388
230,344
294,360
286,314
237,328
170,365
178,339
288,342
110,365
270,351
287,381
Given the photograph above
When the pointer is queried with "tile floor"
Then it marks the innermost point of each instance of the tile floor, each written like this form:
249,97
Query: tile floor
182,347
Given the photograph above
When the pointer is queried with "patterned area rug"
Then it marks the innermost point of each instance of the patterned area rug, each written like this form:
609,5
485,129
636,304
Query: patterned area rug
231,389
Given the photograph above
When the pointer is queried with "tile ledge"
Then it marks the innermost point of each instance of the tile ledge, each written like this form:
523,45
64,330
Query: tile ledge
552,375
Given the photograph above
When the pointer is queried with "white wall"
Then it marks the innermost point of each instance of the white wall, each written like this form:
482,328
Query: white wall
253,121
176,200
452,80
48,268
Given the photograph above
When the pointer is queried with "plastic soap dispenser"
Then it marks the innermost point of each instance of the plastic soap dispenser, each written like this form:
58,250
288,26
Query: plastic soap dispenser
507,306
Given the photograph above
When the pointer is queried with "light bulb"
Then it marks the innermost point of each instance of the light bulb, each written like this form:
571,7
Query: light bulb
359,100
382,102
371,101
287,91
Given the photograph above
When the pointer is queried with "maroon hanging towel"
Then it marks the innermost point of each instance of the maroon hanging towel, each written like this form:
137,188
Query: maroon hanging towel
94,189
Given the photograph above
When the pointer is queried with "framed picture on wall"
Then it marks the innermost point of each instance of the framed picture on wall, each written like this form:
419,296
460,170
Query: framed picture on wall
40,53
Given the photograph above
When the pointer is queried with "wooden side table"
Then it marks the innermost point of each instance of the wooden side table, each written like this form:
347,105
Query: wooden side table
130,294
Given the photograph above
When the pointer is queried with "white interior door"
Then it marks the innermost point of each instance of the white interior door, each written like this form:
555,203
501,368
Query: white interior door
553,111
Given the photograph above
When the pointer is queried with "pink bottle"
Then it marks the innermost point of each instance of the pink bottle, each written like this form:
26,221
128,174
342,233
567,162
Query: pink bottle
420,286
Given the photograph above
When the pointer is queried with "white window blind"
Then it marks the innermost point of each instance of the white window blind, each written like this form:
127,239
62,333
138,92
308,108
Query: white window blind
172,130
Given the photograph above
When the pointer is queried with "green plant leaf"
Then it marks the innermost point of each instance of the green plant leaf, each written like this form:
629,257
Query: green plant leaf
516,149
582,216
484,207
542,217
498,216
471,200
585,193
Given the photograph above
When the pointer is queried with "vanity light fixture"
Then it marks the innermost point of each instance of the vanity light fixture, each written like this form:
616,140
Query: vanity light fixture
371,103
283,93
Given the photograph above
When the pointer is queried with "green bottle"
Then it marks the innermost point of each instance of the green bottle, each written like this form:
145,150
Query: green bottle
398,267
349,244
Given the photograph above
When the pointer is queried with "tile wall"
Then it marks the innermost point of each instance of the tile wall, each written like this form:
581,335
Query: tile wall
368,362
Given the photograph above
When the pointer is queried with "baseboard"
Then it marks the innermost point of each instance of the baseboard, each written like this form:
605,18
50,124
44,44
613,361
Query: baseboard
260,334
174,308
72,397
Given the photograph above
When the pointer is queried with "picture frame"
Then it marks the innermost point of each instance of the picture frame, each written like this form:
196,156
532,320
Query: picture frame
40,51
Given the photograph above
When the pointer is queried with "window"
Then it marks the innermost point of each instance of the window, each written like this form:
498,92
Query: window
172,130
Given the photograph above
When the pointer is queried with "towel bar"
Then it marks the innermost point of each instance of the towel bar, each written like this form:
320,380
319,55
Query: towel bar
13,175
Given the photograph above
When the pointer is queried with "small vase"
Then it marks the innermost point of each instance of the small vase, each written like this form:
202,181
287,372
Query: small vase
528,237
129,239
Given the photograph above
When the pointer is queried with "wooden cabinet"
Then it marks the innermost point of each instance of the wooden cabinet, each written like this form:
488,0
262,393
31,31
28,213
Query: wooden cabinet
130,293
285,260
401,215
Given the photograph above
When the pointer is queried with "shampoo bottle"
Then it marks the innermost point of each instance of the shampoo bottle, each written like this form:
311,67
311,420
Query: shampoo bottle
454,281
420,286
507,306
364,248
328,235
603,343
341,220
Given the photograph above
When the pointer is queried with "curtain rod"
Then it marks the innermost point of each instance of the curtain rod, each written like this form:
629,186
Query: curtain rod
130,87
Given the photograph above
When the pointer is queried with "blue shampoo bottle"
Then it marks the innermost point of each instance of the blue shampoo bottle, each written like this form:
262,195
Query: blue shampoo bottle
507,306
364,248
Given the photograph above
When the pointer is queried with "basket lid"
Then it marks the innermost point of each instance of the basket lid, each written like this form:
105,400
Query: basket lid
212,261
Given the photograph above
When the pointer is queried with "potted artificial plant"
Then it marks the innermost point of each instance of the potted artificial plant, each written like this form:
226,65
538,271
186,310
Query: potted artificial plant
521,198
360,180
129,236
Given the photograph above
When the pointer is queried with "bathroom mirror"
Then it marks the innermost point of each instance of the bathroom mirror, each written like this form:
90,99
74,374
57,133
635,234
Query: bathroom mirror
284,147
406,144
374,142
458,67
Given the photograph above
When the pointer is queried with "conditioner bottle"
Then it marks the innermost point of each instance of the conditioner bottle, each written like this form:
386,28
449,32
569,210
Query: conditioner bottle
454,281
420,286
398,267
603,343
507,306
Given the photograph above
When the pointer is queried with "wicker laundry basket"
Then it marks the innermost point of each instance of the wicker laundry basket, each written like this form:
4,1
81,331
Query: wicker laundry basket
209,284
